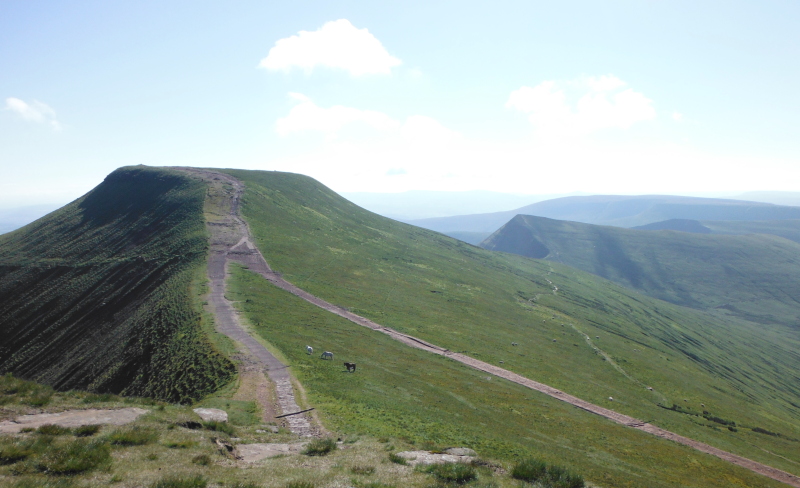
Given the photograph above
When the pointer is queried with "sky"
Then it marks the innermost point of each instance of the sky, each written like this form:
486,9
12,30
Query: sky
627,97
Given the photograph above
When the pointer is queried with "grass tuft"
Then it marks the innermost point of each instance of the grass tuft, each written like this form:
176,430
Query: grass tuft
78,456
202,459
320,447
537,471
51,429
300,484
133,436
177,481
223,427
457,473
365,470
398,459
87,430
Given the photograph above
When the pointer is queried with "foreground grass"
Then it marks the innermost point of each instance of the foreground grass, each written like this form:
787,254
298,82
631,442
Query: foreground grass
589,337
157,450
432,402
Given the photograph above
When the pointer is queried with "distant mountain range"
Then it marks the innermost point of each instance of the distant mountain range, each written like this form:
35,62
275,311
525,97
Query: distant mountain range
753,276
616,210
420,204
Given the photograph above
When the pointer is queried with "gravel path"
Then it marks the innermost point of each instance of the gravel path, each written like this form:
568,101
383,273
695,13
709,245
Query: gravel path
227,233
246,253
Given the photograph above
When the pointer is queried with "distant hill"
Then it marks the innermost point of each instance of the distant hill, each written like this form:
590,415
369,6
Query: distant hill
682,225
788,229
619,211
753,276
420,204
776,197
97,295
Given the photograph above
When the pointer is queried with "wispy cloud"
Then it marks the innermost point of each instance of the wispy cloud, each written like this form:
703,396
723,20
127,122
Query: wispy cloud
35,111
336,44
581,106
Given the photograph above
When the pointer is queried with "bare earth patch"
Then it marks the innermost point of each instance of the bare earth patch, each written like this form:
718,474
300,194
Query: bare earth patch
251,453
414,458
72,418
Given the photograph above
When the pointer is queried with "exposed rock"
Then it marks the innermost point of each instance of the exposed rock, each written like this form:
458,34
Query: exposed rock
425,457
251,453
72,418
460,451
212,414
226,448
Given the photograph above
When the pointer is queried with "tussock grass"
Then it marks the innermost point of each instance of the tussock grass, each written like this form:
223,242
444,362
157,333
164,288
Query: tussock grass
320,447
363,470
223,427
76,457
455,473
135,435
50,429
87,430
177,481
546,476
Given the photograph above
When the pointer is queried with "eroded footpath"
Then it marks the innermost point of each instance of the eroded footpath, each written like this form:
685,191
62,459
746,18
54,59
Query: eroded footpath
228,232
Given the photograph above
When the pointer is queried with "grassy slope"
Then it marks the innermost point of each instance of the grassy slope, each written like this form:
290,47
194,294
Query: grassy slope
432,401
478,302
97,294
788,229
756,277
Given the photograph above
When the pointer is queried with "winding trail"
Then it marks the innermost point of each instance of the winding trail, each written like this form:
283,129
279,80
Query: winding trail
245,252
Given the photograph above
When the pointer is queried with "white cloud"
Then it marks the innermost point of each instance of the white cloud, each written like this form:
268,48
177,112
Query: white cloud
307,116
336,44
677,116
581,107
36,111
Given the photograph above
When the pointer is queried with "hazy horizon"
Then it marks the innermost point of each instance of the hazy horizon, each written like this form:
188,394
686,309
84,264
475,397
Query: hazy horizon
523,97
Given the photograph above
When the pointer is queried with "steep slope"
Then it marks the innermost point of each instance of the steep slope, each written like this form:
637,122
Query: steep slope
618,210
576,332
98,295
756,277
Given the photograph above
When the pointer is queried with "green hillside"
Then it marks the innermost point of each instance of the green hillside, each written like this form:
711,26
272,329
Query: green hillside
575,331
756,277
99,294
788,229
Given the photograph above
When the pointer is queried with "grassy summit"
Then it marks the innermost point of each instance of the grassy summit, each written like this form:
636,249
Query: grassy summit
98,295
575,331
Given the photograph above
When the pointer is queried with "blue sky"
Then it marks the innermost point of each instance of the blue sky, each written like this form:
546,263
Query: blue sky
524,97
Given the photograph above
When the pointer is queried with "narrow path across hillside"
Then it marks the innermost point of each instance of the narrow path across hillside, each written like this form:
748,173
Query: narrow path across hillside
227,232
245,252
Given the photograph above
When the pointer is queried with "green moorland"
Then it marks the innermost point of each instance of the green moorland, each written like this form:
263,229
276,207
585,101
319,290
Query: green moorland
588,336
788,229
755,276
101,294
434,402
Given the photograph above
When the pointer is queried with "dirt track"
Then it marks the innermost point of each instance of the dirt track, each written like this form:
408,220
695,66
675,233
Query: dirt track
245,251
228,231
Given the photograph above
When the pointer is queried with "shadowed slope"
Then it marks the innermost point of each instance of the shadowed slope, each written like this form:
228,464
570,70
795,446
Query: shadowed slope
97,294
